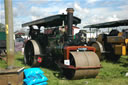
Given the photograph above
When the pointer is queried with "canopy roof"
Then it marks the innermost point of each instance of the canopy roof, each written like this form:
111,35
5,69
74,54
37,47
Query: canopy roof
109,24
52,21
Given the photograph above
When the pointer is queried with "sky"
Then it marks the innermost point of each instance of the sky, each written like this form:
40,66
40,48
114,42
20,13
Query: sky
90,11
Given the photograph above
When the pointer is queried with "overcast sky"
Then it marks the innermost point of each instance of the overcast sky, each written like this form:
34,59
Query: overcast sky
90,11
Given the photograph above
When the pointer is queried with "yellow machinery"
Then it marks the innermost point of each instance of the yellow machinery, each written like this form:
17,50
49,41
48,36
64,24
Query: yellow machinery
114,44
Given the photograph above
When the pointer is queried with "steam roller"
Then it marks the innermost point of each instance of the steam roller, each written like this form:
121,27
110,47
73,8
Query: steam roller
61,46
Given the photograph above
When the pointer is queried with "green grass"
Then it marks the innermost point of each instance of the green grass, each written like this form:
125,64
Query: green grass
110,74
3,64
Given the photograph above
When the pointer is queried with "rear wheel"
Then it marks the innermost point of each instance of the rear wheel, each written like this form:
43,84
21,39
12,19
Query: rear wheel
99,49
30,55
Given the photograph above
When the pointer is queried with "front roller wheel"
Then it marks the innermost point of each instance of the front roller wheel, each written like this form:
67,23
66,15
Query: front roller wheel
31,53
82,59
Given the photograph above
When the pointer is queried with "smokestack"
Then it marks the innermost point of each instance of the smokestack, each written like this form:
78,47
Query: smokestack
70,21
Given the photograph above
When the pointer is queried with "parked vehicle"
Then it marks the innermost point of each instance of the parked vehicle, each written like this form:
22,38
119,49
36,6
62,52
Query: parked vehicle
58,42
114,44
2,43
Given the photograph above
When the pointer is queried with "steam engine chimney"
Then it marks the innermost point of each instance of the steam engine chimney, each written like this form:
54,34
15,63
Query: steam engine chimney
69,21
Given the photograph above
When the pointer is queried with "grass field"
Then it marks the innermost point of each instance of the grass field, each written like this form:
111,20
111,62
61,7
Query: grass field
110,74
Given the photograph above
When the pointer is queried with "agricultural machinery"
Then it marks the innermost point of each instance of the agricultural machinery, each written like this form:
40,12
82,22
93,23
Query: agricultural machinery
58,42
2,43
114,44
